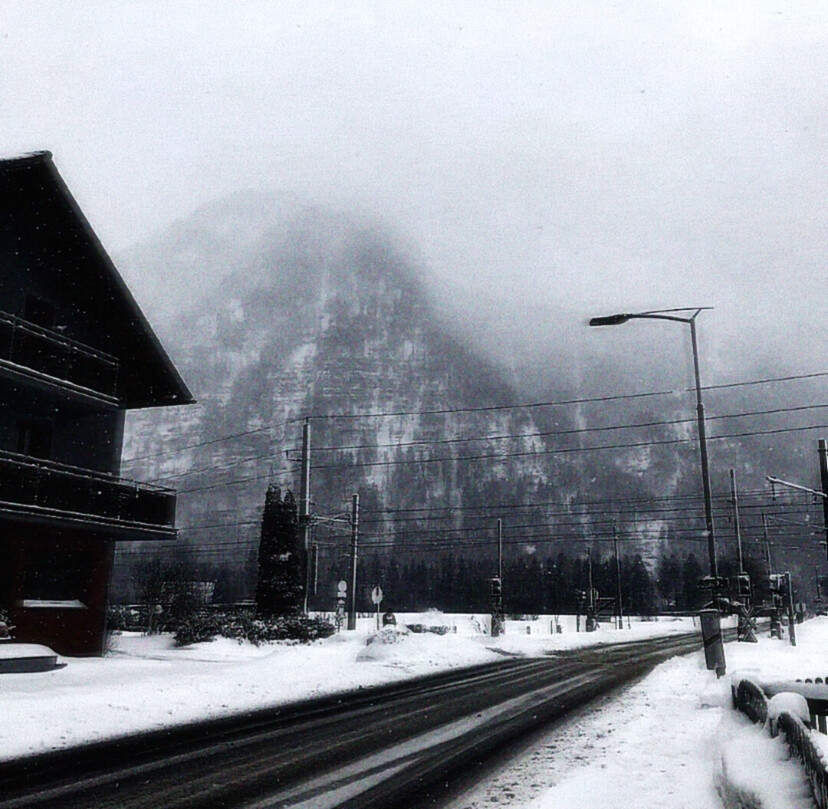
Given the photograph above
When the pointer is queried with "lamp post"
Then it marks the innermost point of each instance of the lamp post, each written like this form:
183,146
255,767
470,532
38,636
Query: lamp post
690,319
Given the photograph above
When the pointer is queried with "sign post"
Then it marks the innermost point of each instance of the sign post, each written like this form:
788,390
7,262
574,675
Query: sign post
376,597
341,593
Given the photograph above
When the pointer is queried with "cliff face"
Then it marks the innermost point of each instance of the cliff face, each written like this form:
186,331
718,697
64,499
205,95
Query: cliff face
320,316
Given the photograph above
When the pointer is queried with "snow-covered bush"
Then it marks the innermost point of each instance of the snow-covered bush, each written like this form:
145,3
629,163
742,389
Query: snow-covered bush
437,630
6,625
431,621
388,634
121,618
205,626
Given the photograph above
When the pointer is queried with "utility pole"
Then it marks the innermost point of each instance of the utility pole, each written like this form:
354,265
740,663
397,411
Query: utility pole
496,585
617,575
734,500
354,541
590,619
500,549
705,464
790,608
776,598
823,473
304,507
745,630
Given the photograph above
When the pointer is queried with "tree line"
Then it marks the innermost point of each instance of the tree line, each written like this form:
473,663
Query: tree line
274,577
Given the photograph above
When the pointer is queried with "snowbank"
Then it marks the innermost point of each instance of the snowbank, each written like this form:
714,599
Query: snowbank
756,770
671,740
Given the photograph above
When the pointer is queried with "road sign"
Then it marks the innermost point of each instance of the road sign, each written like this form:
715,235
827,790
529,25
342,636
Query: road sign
376,595
341,589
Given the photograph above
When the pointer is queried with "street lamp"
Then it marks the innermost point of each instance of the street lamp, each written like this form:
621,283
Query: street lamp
674,315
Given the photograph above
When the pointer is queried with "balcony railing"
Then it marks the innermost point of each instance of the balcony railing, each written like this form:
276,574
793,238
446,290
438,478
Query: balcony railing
51,492
49,355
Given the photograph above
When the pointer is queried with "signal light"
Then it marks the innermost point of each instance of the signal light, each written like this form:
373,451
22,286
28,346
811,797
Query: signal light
743,584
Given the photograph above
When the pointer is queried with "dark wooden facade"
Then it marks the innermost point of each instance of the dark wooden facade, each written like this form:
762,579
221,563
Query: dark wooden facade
75,354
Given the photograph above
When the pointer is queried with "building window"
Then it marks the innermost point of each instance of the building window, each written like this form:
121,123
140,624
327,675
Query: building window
55,578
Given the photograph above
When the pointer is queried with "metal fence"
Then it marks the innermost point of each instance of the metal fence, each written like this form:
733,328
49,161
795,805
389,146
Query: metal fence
37,486
52,354
751,700
798,737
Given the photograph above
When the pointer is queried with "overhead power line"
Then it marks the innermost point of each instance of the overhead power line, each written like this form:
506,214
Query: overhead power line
569,450
501,437
562,402
473,544
500,456
492,408
218,440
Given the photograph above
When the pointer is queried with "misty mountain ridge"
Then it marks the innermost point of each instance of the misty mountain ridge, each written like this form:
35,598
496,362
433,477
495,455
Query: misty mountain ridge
284,312
321,315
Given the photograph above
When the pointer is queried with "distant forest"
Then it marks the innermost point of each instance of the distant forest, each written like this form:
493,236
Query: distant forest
456,583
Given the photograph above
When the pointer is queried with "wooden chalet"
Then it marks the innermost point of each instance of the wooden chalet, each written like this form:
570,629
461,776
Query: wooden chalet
75,354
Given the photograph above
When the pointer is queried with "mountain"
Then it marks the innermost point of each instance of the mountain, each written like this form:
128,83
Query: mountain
276,312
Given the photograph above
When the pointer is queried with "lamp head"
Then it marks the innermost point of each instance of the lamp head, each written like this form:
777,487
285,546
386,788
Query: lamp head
609,320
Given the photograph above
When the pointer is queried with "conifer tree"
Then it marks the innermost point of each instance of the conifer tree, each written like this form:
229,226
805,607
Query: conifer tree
279,589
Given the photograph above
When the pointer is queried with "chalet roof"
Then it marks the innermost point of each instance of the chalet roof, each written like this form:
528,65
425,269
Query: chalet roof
40,219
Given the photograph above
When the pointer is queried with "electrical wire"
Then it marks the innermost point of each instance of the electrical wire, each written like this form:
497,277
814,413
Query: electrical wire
446,411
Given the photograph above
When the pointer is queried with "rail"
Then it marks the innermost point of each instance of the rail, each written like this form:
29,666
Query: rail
798,737
815,692
751,699
51,490
48,353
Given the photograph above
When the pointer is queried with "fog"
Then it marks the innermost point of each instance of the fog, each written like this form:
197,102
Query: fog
542,161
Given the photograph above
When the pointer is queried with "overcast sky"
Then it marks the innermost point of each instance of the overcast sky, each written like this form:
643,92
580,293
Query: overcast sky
594,156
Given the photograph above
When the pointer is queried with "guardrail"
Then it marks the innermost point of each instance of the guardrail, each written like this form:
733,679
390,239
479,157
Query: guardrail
751,699
798,737
54,356
55,491
815,692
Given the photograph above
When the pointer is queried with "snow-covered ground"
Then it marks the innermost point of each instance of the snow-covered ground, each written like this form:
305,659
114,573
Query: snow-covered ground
666,741
670,740
146,682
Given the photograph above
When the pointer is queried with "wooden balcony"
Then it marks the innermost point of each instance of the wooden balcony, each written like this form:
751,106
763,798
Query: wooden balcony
43,491
48,357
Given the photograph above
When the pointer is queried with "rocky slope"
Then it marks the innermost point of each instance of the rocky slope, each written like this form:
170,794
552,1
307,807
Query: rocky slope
299,313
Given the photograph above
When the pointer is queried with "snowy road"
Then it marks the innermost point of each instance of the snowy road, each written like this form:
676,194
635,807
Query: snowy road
361,750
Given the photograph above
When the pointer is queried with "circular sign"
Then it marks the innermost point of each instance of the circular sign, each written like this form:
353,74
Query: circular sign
376,595
342,587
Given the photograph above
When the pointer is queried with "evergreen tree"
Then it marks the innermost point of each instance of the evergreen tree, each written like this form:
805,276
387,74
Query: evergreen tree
280,588
640,587
670,581
691,573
